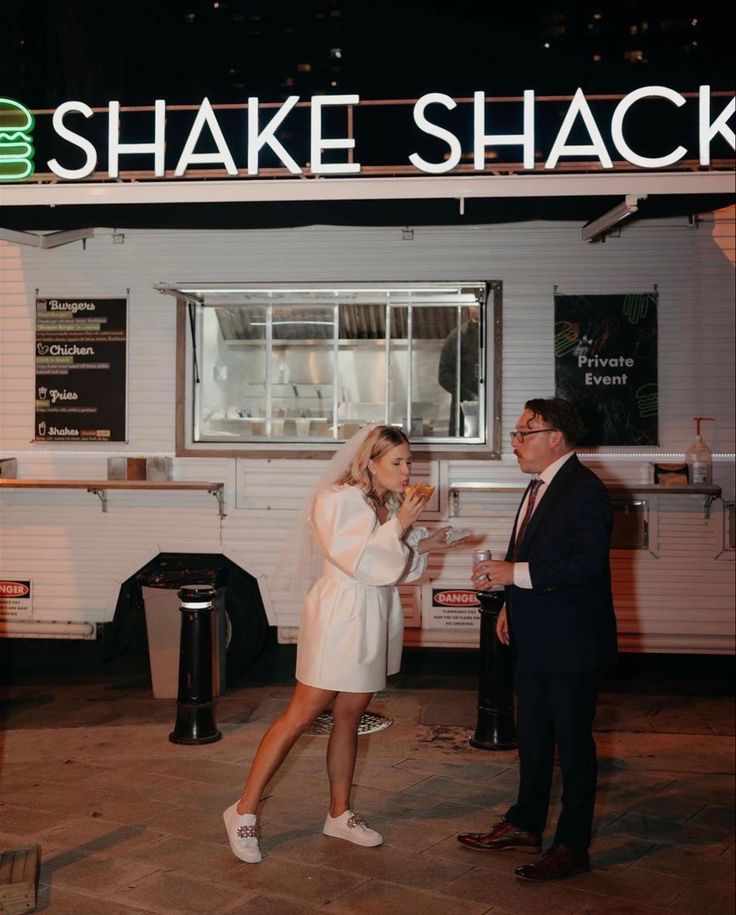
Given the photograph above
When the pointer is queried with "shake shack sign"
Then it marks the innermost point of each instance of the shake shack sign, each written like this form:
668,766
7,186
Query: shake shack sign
331,134
80,370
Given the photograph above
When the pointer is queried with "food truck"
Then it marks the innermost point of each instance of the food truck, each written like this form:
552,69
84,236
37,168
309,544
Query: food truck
184,346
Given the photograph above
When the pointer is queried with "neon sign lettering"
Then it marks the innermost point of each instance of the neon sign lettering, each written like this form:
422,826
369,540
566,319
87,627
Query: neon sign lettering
16,151
16,141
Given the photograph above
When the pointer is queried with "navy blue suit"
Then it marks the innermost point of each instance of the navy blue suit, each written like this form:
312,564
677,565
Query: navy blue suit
563,630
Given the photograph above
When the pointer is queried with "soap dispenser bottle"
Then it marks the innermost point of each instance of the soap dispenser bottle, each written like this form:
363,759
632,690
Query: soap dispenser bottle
699,457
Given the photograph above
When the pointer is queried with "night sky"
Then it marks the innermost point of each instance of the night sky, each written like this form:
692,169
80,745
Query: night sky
53,50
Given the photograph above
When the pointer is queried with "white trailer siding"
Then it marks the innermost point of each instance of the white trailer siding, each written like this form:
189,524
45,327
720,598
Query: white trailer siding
677,596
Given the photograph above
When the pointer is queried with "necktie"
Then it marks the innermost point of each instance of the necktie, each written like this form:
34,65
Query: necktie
531,499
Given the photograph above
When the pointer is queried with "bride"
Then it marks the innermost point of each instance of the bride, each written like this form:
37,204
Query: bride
361,522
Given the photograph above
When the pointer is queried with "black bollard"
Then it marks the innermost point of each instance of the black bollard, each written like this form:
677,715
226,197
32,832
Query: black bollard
195,720
495,728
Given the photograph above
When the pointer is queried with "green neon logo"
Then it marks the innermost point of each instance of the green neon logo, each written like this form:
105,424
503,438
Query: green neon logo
16,142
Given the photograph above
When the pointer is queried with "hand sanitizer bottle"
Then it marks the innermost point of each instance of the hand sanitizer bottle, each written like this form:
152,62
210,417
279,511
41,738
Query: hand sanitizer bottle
699,457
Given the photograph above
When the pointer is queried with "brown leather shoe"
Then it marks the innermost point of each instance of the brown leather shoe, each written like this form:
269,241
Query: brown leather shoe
557,862
503,837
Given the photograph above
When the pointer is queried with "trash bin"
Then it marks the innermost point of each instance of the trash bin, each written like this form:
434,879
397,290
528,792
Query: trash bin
163,626
240,613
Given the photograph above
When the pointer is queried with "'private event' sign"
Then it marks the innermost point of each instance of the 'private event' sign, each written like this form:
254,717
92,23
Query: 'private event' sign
606,363
81,370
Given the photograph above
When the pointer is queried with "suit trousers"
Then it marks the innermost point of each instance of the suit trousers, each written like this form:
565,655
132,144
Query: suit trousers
556,709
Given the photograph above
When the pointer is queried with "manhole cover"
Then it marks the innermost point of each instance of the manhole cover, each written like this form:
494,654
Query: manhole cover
369,724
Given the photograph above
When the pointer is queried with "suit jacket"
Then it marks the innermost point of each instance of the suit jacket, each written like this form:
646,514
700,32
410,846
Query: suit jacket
566,622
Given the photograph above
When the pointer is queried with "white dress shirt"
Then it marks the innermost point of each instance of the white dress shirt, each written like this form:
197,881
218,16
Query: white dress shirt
522,576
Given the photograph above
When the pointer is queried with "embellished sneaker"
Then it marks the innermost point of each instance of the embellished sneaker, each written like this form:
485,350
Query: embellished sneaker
242,834
351,827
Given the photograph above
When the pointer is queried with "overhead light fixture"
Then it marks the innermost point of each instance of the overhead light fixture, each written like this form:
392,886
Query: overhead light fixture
596,228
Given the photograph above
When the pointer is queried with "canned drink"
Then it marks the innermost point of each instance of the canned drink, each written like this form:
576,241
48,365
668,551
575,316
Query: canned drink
481,556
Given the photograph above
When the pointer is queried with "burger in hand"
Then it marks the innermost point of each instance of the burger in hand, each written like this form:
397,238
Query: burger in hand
421,490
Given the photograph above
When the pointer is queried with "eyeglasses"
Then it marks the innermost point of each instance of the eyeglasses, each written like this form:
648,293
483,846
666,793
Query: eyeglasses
517,436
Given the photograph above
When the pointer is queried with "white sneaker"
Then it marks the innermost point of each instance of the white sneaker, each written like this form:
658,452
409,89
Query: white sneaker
242,834
351,827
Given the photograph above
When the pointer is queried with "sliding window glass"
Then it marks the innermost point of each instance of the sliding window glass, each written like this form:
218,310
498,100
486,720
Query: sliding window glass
295,365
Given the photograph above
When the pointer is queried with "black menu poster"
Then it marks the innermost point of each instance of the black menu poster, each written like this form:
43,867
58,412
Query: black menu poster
81,346
606,363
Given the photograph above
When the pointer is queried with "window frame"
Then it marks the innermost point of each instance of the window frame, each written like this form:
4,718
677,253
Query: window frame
490,448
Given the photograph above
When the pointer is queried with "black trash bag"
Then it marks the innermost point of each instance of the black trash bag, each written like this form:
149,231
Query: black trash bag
245,616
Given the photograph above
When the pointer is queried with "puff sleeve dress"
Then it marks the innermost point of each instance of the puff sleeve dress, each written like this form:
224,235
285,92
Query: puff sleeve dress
352,626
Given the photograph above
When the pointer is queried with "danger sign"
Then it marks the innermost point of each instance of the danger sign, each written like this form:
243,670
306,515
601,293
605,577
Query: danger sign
16,599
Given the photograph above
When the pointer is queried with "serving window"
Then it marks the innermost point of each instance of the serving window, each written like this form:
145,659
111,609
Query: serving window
284,367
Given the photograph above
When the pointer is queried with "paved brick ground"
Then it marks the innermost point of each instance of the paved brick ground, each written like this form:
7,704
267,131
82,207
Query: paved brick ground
130,823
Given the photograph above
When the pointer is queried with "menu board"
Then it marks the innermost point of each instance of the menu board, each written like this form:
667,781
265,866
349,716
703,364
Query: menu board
81,347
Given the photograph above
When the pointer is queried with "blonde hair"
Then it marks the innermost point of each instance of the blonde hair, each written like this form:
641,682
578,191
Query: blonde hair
379,441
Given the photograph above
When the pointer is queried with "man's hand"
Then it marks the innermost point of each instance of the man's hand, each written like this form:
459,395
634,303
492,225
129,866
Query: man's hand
502,627
492,573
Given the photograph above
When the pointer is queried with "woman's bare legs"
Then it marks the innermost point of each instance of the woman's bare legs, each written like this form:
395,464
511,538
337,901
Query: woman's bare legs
306,704
342,749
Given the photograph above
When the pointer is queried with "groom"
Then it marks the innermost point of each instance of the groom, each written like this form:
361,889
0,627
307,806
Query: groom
559,617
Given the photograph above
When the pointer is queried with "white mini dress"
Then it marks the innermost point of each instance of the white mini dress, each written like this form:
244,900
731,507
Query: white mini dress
352,626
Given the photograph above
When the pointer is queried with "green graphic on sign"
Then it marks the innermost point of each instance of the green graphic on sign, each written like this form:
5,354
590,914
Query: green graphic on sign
16,141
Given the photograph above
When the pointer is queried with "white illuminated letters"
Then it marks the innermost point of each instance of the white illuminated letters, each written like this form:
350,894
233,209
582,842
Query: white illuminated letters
115,147
205,115
91,153
525,139
579,106
267,137
713,128
617,127
453,160
706,130
318,142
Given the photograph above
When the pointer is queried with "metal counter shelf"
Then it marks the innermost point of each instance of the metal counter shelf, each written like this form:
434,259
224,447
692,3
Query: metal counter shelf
99,487
709,492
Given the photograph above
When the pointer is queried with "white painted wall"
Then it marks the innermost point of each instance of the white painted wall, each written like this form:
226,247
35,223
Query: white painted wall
681,599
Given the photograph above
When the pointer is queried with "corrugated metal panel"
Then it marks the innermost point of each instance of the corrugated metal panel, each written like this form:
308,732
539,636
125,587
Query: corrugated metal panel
680,599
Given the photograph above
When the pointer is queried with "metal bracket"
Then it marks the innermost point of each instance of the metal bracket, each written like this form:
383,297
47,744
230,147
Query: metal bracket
101,495
454,503
219,494
708,504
